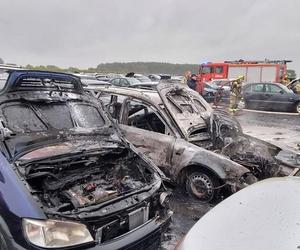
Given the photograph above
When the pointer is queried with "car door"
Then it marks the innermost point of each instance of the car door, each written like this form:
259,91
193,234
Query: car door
158,147
276,98
148,131
254,96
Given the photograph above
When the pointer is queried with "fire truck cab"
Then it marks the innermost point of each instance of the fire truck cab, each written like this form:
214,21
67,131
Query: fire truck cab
254,71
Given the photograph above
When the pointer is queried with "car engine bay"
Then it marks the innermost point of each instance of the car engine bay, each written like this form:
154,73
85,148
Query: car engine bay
78,181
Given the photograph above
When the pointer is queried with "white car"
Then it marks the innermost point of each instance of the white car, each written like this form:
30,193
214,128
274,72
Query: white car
225,83
262,216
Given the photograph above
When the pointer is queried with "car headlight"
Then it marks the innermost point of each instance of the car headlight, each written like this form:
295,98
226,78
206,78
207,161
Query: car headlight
55,233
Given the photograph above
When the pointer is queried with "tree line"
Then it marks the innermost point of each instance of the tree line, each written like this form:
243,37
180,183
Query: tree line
137,67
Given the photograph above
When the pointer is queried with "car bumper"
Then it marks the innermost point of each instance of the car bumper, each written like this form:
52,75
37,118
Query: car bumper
239,184
144,237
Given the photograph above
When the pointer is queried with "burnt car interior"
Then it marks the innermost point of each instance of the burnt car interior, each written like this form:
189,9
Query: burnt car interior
136,114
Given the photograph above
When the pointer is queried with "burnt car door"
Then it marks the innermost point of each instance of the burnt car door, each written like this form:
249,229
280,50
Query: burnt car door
145,128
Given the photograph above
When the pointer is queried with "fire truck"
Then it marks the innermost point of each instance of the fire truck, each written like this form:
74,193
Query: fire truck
254,71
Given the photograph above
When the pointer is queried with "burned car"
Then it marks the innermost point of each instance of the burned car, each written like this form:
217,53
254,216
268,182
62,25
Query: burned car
182,113
205,174
68,178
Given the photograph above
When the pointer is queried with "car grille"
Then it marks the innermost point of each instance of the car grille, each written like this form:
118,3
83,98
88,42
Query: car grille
114,226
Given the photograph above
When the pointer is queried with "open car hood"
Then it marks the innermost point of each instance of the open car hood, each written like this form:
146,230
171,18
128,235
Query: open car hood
71,141
185,107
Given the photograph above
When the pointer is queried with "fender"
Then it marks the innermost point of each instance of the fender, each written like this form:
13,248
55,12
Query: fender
187,154
15,198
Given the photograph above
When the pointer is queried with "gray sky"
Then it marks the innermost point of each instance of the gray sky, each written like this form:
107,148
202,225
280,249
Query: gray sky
84,33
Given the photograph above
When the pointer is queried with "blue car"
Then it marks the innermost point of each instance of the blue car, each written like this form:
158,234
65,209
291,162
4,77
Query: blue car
271,97
68,178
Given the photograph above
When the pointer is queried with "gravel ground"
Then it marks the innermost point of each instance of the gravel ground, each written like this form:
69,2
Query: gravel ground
280,129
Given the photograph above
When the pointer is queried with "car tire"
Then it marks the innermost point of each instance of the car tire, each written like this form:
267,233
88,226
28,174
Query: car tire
201,185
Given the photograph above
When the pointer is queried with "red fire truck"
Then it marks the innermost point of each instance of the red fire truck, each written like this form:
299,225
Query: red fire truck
254,71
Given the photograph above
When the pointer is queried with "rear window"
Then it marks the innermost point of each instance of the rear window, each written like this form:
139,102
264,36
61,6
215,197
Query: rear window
57,115
87,116
41,117
21,118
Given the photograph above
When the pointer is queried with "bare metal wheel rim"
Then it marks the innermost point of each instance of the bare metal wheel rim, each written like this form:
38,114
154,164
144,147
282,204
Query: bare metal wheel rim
298,108
201,186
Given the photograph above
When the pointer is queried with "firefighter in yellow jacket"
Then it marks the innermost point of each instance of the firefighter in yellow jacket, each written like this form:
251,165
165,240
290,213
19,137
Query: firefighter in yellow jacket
236,93
285,80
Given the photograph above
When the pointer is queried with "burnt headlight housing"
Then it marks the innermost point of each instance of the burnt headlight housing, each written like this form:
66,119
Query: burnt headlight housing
55,233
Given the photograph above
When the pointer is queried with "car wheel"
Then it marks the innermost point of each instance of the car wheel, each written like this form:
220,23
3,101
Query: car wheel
297,109
202,186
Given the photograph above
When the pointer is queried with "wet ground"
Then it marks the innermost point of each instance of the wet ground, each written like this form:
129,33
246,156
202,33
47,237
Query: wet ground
280,129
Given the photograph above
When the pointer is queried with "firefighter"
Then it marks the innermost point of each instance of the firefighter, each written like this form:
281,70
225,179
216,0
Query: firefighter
285,80
236,94
186,78
192,82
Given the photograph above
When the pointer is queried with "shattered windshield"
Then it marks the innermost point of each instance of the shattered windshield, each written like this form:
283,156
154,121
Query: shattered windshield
41,117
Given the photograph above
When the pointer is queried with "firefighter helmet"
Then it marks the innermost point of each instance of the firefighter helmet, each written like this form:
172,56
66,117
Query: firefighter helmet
240,77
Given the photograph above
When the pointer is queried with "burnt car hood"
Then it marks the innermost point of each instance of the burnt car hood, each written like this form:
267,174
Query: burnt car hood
59,142
184,107
227,135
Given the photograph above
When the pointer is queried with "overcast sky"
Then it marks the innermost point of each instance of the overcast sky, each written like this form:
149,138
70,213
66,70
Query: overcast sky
84,33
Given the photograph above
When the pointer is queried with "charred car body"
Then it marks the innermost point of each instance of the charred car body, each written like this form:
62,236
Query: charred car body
182,113
68,179
143,118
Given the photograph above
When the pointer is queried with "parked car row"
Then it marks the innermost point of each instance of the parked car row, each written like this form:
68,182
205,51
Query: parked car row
257,96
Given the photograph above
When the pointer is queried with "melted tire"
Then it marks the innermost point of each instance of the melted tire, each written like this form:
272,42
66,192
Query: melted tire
202,186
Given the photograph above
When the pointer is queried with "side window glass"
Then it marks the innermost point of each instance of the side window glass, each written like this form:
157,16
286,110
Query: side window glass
115,82
219,69
248,89
144,117
273,88
207,70
123,83
258,88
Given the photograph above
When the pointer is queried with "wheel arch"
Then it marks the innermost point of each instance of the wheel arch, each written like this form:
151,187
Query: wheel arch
181,176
